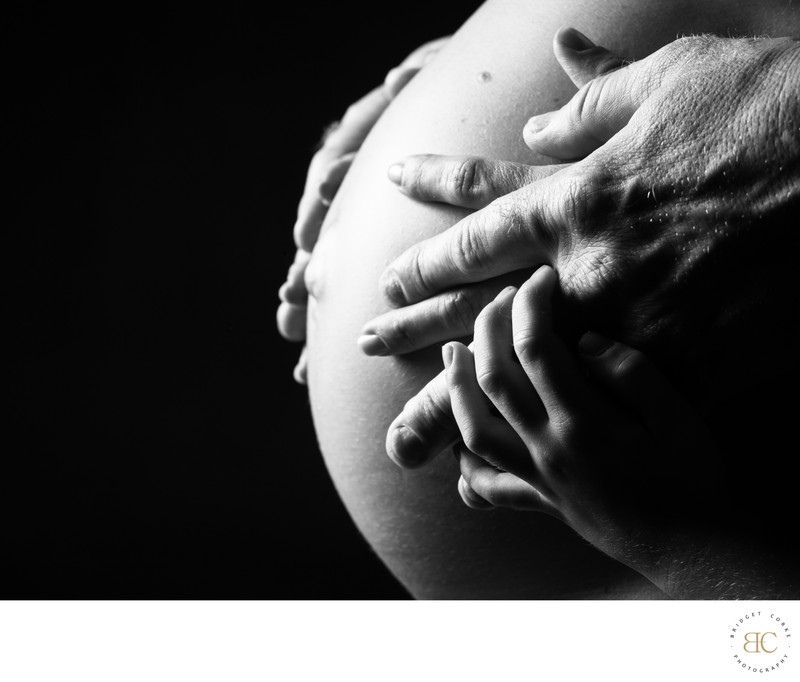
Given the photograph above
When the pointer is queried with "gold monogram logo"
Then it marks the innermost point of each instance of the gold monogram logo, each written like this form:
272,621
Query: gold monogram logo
754,643
761,642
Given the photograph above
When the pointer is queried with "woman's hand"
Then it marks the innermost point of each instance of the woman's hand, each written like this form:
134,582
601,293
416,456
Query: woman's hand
327,170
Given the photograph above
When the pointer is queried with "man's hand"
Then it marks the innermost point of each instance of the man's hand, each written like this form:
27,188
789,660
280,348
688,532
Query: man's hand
673,232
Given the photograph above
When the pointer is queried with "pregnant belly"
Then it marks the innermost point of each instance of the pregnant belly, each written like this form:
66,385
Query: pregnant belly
473,99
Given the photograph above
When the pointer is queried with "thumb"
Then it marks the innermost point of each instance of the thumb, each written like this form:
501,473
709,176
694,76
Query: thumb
599,110
580,58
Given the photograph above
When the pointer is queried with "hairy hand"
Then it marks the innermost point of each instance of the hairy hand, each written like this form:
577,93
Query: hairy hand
671,230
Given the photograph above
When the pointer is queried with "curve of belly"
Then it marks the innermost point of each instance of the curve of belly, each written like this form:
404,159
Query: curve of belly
474,98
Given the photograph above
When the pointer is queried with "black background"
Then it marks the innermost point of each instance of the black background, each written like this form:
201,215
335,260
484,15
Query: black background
158,447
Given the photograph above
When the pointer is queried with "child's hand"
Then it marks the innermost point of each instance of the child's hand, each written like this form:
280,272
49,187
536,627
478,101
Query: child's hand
483,486
601,440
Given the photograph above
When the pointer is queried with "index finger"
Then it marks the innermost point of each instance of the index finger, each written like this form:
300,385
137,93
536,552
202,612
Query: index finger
518,230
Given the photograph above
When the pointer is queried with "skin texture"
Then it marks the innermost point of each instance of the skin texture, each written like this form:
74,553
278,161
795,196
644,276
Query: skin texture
415,520
584,437
688,178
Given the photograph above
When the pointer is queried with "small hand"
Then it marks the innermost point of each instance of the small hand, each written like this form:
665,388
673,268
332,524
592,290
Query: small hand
601,439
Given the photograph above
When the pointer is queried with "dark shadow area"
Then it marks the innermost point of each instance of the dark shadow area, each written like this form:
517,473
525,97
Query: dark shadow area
159,447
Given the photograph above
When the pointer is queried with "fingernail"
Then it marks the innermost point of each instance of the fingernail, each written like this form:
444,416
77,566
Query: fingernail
592,343
372,344
504,293
537,124
390,285
405,447
447,354
572,39
505,299
395,173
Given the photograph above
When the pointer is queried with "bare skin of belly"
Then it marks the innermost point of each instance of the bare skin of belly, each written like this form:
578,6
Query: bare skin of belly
474,98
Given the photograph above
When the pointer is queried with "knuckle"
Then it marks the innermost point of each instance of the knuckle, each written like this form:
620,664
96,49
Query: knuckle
685,51
574,205
564,419
458,311
463,179
476,440
683,45
553,465
493,375
578,194
529,345
398,334
417,278
428,413
523,222
513,216
491,379
585,241
592,271
571,430
470,246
